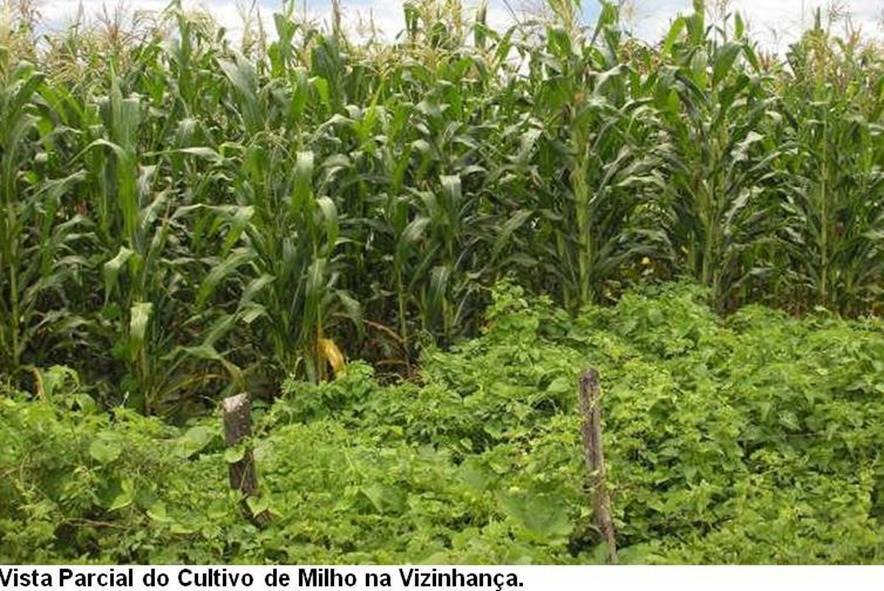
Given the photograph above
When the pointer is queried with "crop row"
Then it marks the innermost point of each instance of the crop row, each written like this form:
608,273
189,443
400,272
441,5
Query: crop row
180,216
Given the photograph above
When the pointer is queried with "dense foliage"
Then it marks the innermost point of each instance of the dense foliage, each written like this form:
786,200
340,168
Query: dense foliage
753,439
180,217
406,251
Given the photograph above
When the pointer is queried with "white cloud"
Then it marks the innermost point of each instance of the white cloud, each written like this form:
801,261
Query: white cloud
58,13
774,23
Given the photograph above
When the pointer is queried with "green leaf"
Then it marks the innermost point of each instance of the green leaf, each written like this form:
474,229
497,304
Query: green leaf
543,515
139,320
158,513
675,30
234,454
193,441
105,448
111,270
724,60
258,505
385,499
125,497
302,188
202,152
474,474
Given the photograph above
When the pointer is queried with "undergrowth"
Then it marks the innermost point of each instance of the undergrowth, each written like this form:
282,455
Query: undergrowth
751,439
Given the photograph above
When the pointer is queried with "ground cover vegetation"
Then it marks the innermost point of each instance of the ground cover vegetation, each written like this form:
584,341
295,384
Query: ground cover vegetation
405,250
753,439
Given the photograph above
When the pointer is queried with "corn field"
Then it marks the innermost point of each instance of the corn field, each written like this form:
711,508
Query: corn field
182,216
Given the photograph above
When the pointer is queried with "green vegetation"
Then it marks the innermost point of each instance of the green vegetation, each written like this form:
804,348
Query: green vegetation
405,251
756,439
182,218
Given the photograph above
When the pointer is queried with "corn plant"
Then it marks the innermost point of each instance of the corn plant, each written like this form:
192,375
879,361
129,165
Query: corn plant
715,106
148,269
290,235
39,249
180,218
605,135
835,199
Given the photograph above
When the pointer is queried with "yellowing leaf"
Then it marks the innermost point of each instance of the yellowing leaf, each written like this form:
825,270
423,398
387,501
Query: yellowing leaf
330,352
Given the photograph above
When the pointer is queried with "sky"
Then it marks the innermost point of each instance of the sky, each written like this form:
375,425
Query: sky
774,23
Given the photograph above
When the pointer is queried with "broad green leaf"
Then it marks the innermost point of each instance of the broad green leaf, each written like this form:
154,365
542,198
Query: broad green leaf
157,512
111,269
234,454
302,187
543,515
140,314
125,497
106,447
385,499
194,440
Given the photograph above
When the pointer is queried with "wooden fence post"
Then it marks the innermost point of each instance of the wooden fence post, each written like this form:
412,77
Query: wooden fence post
237,418
589,393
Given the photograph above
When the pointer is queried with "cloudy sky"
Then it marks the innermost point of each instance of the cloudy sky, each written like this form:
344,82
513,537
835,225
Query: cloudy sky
774,22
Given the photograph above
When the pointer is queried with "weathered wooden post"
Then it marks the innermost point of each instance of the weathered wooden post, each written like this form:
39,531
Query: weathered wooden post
589,393
237,418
